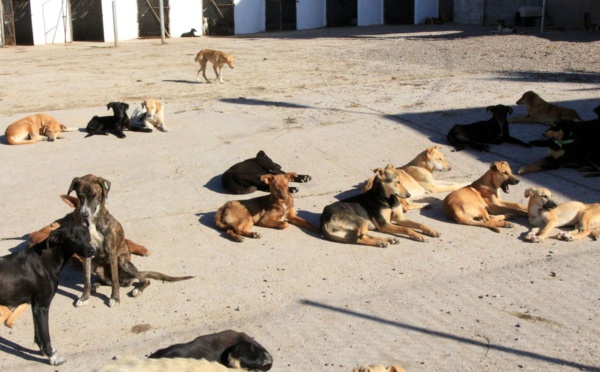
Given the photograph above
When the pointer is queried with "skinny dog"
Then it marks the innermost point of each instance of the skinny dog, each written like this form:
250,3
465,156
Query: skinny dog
349,220
546,214
34,128
218,60
108,237
540,111
479,204
274,210
31,277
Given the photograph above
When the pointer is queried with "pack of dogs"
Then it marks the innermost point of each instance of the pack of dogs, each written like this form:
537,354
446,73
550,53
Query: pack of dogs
93,238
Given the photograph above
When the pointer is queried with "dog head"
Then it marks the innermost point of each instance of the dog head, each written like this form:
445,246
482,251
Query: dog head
502,176
152,106
435,161
527,98
193,30
500,111
279,183
391,183
597,111
51,129
229,61
248,355
267,164
559,131
378,368
92,192
75,237
540,197
119,109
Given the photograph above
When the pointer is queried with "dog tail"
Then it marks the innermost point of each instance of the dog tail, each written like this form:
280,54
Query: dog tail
160,276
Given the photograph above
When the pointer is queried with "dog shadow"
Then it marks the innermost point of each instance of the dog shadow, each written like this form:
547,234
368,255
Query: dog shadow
312,217
348,193
29,355
182,81
214,184
3,140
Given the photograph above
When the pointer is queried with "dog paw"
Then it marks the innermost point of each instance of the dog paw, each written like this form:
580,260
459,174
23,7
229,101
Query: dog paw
433,233
239,239
485,148
565,236
303,178
382,244
255,235
94,287
508,225
420,238
394,241
113,302
532,238
56,360
294,190
136,292
81,302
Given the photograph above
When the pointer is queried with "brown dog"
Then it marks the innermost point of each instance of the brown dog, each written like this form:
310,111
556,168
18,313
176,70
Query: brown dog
540,111
378,368
218,60
155,114
274,210
34,128
8,316
546,214
479,204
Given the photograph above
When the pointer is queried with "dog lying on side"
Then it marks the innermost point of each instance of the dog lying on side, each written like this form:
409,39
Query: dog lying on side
274,210
190,33
115,124
230,348
349,220
34,128
133,364
546,214
540,111
217,58
31,277
503,28
479,204
108,237
378,368
245,177
480,134
152,115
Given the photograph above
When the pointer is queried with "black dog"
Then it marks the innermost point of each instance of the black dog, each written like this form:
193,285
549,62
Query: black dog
480,134
31,276
230,348
191,33
115,124
244,177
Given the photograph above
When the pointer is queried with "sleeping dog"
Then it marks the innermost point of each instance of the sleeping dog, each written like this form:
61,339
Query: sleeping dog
480,134
190,33
115,124
245,177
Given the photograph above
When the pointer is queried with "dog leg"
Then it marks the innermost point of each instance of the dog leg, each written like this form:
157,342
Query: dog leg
524,119
128,267
442,186
218,73
508,208
367,239
401,221
401,230
138,250
42,334
16,313
5,313
301,178
301,222
238,235
87,284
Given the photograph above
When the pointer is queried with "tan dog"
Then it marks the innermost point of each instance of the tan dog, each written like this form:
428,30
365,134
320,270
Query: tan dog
8,316
155,114
540,111
34,128
274,210
217,58
378,368
132,364
479,204
546,214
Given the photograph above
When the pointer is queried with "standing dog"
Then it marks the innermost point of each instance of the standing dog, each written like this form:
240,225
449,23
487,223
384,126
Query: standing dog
230,348
274,210
480,134
245,177
108,237
31,277
218,60
479,204
34,128
349,220
540,111
546,214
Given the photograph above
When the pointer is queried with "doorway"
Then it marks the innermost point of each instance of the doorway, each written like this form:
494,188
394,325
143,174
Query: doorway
399,12
342,13
86,20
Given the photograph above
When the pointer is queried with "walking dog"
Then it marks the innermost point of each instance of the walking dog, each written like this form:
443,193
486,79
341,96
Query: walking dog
31,277
108,237
34,128
230,348
349,220
546,214
479,204
245,177
540,111
275,210
482,133
217,58
115,124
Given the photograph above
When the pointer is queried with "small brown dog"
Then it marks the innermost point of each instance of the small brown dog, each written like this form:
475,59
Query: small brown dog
218,60
155,114
479,204
8,316
34,128
546,214
540,111
378,368
274,210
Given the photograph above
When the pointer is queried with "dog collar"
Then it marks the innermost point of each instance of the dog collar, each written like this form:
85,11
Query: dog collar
560,143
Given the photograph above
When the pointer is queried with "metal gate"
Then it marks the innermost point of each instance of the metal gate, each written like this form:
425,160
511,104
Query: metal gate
149,18
7,27
219,16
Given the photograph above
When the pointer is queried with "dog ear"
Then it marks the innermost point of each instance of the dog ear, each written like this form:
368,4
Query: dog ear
529,192
71,201
126,106
266,178
490,108
144,104
110,105
261,153
105,185
395,369
494,167
73,184
55,236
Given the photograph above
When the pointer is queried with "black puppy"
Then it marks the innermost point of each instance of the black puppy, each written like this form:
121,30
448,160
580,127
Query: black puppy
31,276
244,177
191,33
230,348
480,134
115,124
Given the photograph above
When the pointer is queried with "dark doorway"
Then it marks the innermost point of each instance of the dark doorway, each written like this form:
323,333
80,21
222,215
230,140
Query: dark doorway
219,15
342,13
86,20
23,27
399,12
280,14
149,18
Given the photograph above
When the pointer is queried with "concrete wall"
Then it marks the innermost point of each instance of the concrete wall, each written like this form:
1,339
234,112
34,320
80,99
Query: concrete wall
249,16
311,14
370,12
127,22
426,8
468,12
571,15
506,10
48,22
185,15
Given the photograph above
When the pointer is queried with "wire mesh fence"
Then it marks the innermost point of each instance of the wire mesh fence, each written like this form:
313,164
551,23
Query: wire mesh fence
218,15
7,27
149,18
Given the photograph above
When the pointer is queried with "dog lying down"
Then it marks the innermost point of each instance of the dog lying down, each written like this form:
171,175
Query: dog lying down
150,116
546,214
378,368
540,111
34,128
133,364
115,124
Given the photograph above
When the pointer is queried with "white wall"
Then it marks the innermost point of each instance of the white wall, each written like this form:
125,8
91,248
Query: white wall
48,22
424,9
370,12
249,16
311,14
127,22
185,15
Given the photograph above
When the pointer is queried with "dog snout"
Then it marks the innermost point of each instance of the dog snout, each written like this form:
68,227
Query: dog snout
90,252
550,204
513,181
408,195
